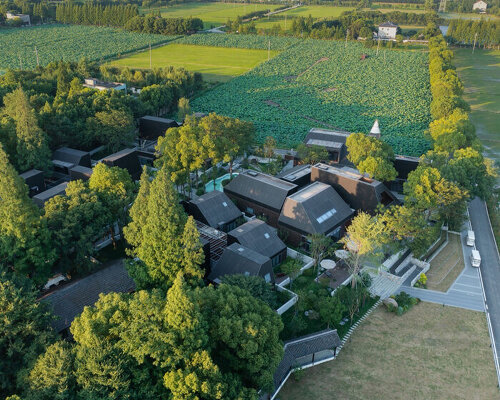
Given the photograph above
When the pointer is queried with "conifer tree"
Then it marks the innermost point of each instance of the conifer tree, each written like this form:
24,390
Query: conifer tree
193,255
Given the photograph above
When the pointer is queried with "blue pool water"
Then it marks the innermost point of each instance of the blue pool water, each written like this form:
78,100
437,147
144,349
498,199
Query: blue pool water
209,187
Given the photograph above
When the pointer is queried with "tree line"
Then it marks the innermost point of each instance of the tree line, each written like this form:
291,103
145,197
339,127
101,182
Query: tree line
485,33
163,26
95,14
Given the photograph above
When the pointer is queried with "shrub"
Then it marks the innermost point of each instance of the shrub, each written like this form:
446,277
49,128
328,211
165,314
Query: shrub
422,281
200,191
225,182
405,303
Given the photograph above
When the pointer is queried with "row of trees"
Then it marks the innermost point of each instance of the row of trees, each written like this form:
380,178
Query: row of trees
164,26
49,107
484,33
91,13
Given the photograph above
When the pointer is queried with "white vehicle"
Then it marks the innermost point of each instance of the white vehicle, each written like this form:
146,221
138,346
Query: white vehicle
471,238
55,281
475,258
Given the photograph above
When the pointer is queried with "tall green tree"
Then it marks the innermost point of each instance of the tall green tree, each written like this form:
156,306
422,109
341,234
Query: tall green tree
115,128
192,251
138,211
32,149
312,154
25,244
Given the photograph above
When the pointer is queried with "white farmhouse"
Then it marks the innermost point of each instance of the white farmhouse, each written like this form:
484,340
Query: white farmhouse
480,5
23,17
387,30
94,83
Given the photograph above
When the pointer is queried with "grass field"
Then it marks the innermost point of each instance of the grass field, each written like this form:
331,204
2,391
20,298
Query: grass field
68,43
212,14
431,352
480,73
215,63
446,266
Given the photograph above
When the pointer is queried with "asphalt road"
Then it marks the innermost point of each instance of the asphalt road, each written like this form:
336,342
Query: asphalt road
490,262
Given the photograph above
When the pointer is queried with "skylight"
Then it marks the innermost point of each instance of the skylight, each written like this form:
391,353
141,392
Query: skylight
326,215
266,235
224,204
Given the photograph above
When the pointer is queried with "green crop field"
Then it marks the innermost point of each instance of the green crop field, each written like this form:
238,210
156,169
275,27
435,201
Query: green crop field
213,14
240,41
324,84
68,43
215,63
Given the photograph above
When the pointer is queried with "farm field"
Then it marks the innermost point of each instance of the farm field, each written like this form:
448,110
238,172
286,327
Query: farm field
212,14
431,352
215,63
480,73
68,43
240,41
323,84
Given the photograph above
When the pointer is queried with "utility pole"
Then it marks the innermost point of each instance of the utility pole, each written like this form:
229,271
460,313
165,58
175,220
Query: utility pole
37,61
473,47
268,50
285,22
150,58
346,34
378,45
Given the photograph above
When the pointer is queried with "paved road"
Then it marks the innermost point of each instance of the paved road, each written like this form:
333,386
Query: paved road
490,263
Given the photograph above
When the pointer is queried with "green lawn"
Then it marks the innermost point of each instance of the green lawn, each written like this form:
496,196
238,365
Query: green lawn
431,352
212,14
480,73
215,63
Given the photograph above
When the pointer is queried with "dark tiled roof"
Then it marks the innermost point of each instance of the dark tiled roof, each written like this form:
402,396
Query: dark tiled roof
72,156
215,208
405,164
304,346
317,208
127,159
295,173
32,172
43,197
388,24
260,188
79,172
69,301
151,127
357,190
331,140
258,236
238,259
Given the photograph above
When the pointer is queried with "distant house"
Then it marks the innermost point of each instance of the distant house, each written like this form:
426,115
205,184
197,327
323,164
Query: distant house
25,18
34,180
240,260
299,175
79,172
216,210
357,190
70,300
317,208
94,83
151,127
387,30
127,159
41,198
375,131
332,141
261,238
66,158
259,194
480,5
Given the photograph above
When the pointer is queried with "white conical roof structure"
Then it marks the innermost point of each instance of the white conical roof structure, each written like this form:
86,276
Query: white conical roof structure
375,131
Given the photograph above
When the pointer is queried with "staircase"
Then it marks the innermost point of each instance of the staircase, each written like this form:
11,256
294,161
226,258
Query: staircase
384,284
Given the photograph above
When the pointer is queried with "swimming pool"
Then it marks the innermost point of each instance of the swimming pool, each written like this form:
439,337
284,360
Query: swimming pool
209,187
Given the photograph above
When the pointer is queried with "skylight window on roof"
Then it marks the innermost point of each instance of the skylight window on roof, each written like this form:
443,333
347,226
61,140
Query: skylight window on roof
224,204
266,235
327,215
240,249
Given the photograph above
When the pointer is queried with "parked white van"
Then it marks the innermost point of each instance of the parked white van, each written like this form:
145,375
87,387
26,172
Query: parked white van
475,258
471,238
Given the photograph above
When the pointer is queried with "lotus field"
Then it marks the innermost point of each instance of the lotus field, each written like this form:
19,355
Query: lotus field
240,41
68,43
326,84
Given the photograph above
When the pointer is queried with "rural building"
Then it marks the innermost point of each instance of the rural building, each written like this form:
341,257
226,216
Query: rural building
299,175
94,83
70,300
317,208
259,194
41,198
34,180
216,210
261,238
151,127
79,172
240,260
404,165
387,30
127,159
66,158
332,141
25,18
357,190
480,5
375,131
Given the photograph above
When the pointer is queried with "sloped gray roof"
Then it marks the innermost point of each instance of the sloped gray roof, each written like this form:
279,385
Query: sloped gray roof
72,156
238,259
43,197
260,188
295,173
30,173
304,346
317,208
127,159
330,139
388,24
258,236
69,301
216,208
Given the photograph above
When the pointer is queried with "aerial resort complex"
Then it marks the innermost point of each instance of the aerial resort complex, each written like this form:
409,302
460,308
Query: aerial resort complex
249,200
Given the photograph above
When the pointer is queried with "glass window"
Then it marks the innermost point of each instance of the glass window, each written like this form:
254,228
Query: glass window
267,277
